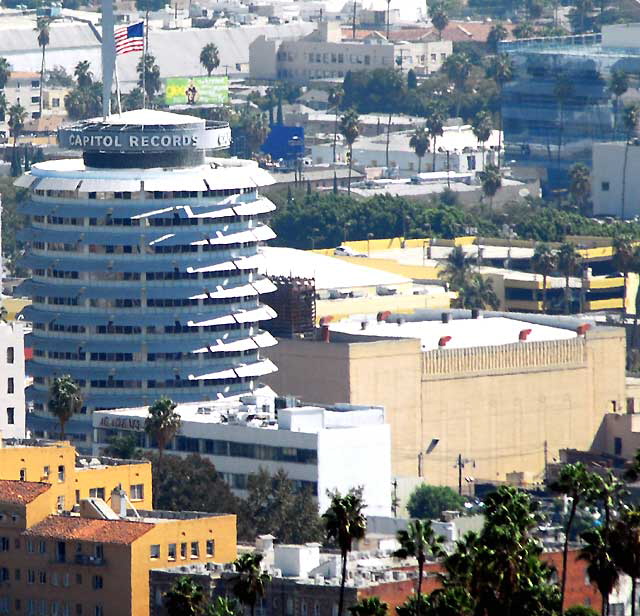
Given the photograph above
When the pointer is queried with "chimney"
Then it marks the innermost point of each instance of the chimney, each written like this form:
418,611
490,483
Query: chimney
446,317
443,341
524,334
326,334
119,501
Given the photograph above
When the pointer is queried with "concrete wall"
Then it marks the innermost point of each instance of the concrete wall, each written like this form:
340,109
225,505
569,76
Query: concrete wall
607,179
495,405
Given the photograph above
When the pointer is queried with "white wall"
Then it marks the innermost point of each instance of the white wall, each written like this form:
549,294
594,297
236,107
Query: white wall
356,457
607,179
621,35
12,336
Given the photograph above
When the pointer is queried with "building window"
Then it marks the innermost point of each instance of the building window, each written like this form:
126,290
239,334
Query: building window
195,549
183,550
10,385
5,544
211,547
96,493
617,446
30,546
137,491
4,574
31,576
78,609
97,582
42,576
17,575
78,578
77,497
10,355
99,611
11,418
45,472
171,551
605,186
99,551
23,474
60,502
42,547
154,551
61,473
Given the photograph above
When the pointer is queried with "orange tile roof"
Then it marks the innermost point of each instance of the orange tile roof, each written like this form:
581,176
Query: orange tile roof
24,75
85,529
20,492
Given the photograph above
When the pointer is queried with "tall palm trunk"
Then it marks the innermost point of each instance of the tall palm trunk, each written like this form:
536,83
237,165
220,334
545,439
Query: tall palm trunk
565,553
41,79
434,152
624,180
388,139
342,583
350,167
419,604
544,294
335,135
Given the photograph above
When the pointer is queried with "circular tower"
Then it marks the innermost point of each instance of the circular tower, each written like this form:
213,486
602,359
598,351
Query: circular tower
144,260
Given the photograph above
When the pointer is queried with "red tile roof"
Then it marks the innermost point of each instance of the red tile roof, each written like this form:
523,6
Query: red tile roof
21,492
86,529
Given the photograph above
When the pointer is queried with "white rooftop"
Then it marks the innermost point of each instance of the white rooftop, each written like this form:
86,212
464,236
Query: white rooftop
142,117
465,333
329,272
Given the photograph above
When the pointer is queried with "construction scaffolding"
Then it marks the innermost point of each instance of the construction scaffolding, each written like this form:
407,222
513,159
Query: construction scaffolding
294,300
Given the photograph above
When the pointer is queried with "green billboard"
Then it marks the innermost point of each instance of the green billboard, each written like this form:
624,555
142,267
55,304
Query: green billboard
196,90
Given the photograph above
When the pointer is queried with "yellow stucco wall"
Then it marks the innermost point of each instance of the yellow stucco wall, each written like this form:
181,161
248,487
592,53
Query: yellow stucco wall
35,459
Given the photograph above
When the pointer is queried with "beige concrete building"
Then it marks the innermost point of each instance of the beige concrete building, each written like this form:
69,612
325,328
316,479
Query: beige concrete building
497,391
324,54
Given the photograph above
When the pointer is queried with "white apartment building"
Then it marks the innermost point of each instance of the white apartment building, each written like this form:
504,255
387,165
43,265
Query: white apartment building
324,54
23,88
457,151
616,168
12,376
321,448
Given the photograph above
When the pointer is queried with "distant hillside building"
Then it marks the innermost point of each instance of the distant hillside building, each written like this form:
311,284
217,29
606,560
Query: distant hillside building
324,54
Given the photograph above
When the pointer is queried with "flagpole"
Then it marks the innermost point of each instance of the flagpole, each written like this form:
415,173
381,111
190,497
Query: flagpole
144,59
108,55
117,85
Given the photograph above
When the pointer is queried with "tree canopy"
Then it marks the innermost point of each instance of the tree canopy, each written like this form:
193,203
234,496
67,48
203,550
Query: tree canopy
428,502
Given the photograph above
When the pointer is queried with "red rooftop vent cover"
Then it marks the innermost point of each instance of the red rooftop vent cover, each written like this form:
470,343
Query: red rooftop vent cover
443,341
524,334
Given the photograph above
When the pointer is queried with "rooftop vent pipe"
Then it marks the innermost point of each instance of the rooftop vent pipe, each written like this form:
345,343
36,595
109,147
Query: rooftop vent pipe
383,315
524,334
446,317
475,313
326,334
581,330
443,341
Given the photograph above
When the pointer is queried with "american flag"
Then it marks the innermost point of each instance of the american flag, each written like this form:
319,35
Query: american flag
129,38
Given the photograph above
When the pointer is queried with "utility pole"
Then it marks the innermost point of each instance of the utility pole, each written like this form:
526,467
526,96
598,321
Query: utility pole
394,498
353,23
460,462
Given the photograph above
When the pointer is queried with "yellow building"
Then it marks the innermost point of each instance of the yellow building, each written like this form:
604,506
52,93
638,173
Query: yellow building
72,477
497,391
96,563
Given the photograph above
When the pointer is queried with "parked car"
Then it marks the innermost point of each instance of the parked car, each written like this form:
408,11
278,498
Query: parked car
347,251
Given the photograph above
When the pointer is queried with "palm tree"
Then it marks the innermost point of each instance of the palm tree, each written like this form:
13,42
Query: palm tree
543,262
457,269
623,261
491,179
344,524
42,28
419,142
17,116
419,542
83,74
65,399
458,68
148,76
438,17
435,127
482,128
501,71
250,580
369,606
569,260
630,117
335,98
618,85
162,423
185,598
602,568
210,58
5,72
4,105
580,185
625,545
497,33
579,485
477,292
350,130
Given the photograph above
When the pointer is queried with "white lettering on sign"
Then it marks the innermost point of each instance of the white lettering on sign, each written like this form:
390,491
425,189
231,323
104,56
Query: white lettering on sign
141,141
